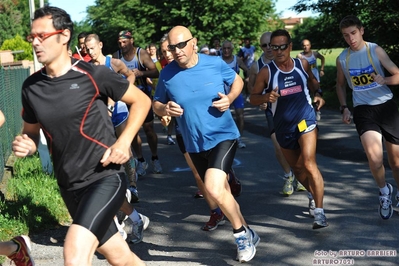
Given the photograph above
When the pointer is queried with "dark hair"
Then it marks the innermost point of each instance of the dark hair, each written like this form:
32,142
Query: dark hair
61,19
349,21
280,32
164,38
82,35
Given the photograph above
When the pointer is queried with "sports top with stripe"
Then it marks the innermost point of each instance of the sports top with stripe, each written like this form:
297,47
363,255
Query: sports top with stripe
294,103
72,111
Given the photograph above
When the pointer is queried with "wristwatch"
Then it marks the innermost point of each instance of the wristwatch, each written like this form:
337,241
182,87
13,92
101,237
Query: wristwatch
110,108
342,108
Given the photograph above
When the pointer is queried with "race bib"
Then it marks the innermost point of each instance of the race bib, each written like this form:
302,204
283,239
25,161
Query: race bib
361,78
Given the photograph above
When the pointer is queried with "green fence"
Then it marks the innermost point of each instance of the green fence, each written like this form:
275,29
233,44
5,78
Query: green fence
11,79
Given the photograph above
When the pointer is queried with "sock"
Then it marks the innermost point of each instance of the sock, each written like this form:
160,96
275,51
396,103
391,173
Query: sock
288,175
154,158
217,210
141,159
318,210
135,216
239,230
384,190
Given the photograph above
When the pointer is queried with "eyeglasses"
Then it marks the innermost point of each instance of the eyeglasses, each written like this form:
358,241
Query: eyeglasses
265,45
282,47
180,45
42,36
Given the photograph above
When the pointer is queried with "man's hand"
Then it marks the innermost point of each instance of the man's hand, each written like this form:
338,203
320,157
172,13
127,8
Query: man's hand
22,146
117,153
223,104
173,109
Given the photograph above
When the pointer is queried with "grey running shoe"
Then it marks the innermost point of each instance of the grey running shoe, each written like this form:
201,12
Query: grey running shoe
288,188
146,221
245,245
312,206
134,194
136,231
320,220
120,227
141,167
156,167
299,186
385,208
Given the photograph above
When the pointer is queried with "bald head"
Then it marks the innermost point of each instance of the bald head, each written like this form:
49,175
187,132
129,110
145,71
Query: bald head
265,37
180,31
183,46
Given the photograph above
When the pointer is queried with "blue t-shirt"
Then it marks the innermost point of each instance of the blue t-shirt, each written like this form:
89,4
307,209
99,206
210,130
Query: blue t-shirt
194,89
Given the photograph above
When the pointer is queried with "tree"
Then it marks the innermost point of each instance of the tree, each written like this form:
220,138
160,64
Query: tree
10,20
150,19
18,44
381,24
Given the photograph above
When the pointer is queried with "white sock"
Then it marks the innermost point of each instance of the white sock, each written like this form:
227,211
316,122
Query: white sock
384,190
318,210
288,175
135,216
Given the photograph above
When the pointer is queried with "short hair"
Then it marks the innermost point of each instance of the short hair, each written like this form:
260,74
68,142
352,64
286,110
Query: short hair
227,41
163,39
92,36
83,34
280,32
61,19
349,21
152,45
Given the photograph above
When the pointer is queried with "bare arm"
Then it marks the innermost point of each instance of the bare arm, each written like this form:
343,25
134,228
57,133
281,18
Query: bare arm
139,103
121,68
152,71
2,118
323,61
341,92
252,76
261,82
242,65
388,65
313,85
223,104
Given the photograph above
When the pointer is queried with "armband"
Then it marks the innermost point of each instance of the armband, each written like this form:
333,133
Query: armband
342,108
110,108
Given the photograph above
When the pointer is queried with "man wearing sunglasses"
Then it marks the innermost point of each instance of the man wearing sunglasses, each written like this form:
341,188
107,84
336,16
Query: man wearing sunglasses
267,56
67,99
191,88
285,81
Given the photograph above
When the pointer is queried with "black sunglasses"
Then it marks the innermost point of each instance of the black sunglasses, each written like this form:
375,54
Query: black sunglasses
180,45
265,45
281,47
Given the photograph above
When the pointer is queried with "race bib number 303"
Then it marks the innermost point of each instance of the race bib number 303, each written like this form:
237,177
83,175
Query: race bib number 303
361,78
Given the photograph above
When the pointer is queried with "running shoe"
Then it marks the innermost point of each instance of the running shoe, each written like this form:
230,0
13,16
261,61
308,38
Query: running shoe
318,115
22,256
156,166
214,221
235,184
146,221
312,206
198,195
141,167
299,186
320,220
241,144
385,208
169,140
120,227
137,228
288,188
245,245
134,194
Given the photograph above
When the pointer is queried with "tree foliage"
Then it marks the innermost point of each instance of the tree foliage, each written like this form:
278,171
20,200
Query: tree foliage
380,19
18,44
150,19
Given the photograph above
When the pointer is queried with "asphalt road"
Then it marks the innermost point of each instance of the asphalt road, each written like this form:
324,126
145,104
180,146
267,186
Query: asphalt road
356,235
